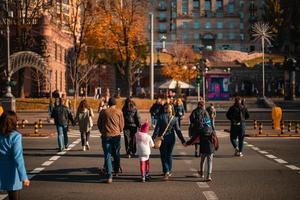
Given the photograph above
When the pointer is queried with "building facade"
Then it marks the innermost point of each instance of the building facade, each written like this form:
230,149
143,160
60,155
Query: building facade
207,24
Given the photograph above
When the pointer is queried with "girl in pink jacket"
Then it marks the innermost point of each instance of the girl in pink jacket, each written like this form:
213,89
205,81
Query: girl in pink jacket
144,143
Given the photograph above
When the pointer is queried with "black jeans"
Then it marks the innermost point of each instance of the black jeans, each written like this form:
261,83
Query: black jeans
237,132
130,143
85,136
14,195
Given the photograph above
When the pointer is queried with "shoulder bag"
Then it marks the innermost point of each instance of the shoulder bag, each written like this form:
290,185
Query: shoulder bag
158,140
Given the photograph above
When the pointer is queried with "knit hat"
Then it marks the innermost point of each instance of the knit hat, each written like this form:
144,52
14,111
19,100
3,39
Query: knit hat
112,101
145,127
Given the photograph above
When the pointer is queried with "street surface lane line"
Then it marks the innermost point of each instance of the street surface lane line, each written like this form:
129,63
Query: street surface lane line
280,161
53,158
293,167
193,169
270,156
263,152
188,162
47,163
210,195
61,153
182,153
255,148
30,176
37,170
249,145
202,185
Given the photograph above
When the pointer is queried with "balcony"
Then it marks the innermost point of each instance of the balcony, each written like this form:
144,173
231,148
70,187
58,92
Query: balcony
252,19
162,31
162,19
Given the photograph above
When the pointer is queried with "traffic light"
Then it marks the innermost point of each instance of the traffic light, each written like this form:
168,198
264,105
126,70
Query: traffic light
198,80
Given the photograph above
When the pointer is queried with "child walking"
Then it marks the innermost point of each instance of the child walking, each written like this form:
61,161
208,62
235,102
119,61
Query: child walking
144,143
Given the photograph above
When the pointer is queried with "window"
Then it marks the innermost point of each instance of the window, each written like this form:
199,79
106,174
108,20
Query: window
242,15
219,4
60,53
185,7
231,8
173,36
162,26
207,25
242,36
162,15
241,4
219,36
219,25
185,36
241,26
231,25
55,51
185,25
173,26
231,36
196,4
207,5
196,25
196,36
174,15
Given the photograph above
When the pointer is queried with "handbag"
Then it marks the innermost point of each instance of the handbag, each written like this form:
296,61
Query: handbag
91,119
158,140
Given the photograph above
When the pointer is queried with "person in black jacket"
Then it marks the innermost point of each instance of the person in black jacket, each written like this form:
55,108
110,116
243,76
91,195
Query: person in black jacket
155,111
237,114
132,123
62,115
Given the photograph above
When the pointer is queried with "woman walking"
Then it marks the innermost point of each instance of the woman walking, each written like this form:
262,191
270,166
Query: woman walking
132,123
167,126
84,117
179,110
12,168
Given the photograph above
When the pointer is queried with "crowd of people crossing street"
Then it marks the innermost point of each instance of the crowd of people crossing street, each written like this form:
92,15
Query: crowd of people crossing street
165,121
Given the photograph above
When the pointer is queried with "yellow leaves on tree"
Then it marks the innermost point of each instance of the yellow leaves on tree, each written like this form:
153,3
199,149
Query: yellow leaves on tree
181,66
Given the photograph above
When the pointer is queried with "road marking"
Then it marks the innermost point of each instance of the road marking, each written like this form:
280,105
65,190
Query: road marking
202,185
47,163
30,176
263,152
270,156
37,170
255,148
293,167
193,169
210,195
245,142
61,153
280,161
71,145
250,145
53,158
182,153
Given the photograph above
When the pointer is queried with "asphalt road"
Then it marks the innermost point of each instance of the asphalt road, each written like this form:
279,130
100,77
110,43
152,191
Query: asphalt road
269,170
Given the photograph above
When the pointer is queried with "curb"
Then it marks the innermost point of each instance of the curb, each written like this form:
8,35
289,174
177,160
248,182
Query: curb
273,135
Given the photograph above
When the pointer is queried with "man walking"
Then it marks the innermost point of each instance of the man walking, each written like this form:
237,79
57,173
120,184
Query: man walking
111,124
237,114
62,115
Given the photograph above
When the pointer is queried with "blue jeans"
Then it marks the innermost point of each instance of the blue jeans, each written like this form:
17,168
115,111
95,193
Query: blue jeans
166,149
237,132
111,148
153,120
62,130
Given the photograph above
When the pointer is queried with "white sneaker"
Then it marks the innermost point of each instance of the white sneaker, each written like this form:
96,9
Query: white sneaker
241,154
237,153
83,148
87,146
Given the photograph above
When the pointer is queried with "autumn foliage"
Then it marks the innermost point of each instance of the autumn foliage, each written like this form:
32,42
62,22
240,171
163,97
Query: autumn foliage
181,66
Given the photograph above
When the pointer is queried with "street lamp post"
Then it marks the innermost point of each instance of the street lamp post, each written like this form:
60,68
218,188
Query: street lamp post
8,86
151,57
50,81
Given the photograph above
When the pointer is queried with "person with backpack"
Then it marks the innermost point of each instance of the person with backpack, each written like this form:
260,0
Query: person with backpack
167,126
132,123
212,114
62,115
203,132
84,117
155,111
237,114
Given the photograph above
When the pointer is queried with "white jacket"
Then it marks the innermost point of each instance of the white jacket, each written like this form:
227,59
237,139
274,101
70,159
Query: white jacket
144,143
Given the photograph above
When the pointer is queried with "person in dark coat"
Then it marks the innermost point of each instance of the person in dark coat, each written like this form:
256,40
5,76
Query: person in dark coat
155,111
132,123
62,115
179,110
204,136
237,114
169,139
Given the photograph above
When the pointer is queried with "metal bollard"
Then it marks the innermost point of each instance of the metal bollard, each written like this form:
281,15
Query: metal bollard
255,124
36,127
40,123
297,128
289,126
282,127
23,123
260,128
